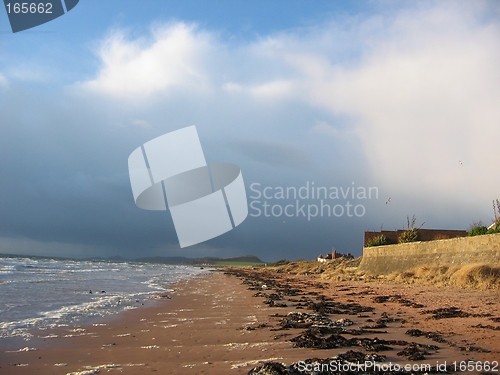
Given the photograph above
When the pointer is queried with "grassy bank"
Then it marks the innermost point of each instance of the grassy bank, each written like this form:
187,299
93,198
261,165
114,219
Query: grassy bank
472,276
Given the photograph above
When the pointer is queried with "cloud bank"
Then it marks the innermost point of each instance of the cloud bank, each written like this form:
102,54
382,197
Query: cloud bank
405,99
419,87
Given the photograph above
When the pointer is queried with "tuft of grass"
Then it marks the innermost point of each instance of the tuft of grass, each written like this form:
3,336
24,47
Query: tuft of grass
341,269
470,276
377,241
411,234
477,276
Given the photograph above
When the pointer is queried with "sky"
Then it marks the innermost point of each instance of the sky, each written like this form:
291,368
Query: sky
392,107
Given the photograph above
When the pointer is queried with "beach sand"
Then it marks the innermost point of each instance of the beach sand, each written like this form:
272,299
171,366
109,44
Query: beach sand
216,325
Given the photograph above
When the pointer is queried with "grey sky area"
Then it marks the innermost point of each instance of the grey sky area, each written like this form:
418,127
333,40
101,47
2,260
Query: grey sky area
405,100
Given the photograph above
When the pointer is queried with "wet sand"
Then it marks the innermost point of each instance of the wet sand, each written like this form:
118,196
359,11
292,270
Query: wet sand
230,323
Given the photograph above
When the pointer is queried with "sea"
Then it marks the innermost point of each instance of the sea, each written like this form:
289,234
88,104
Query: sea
47,293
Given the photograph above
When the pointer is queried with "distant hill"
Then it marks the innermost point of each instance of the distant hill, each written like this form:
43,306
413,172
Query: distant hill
248,259
165,260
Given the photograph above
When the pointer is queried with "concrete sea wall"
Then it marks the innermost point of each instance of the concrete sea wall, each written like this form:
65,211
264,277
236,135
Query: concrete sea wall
383,260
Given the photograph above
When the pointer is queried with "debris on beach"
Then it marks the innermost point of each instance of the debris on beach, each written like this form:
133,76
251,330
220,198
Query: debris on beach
348,363
288,291
364,292
354,356
309,339
453,312
273,303
434,336
472,348
304,320
330,307
321,331
397,299
277,337
446,312
253,327
270,368
488,326
383,321
416,352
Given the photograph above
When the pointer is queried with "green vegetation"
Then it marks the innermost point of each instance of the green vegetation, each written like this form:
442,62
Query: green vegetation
477,229
248,260
411,234
495,229
377,241
496,211
233,263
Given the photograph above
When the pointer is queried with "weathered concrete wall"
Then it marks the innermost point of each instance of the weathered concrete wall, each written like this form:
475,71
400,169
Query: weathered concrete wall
386,259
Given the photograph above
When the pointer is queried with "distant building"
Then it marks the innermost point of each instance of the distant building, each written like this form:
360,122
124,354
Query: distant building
326,258
333,255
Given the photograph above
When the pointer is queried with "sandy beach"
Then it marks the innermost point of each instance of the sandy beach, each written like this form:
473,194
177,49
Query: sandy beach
232,321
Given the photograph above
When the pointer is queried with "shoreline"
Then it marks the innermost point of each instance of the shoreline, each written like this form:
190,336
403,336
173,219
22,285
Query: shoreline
230,322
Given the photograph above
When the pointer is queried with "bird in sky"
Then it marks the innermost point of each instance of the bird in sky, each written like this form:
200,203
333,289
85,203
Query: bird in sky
460,161
388,200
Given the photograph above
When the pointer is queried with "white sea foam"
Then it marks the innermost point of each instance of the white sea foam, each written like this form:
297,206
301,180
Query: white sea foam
50,293
25,349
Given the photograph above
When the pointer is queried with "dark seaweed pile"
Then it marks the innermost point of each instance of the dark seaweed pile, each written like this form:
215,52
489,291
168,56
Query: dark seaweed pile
320,331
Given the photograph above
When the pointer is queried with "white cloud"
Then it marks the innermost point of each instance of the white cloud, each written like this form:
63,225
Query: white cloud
138,68
419,86
233,87
421,95
324,128
278,88
401,95
30,74
141,123
274,89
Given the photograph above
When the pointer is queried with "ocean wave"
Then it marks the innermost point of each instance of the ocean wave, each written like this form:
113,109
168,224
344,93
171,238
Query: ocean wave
48,293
